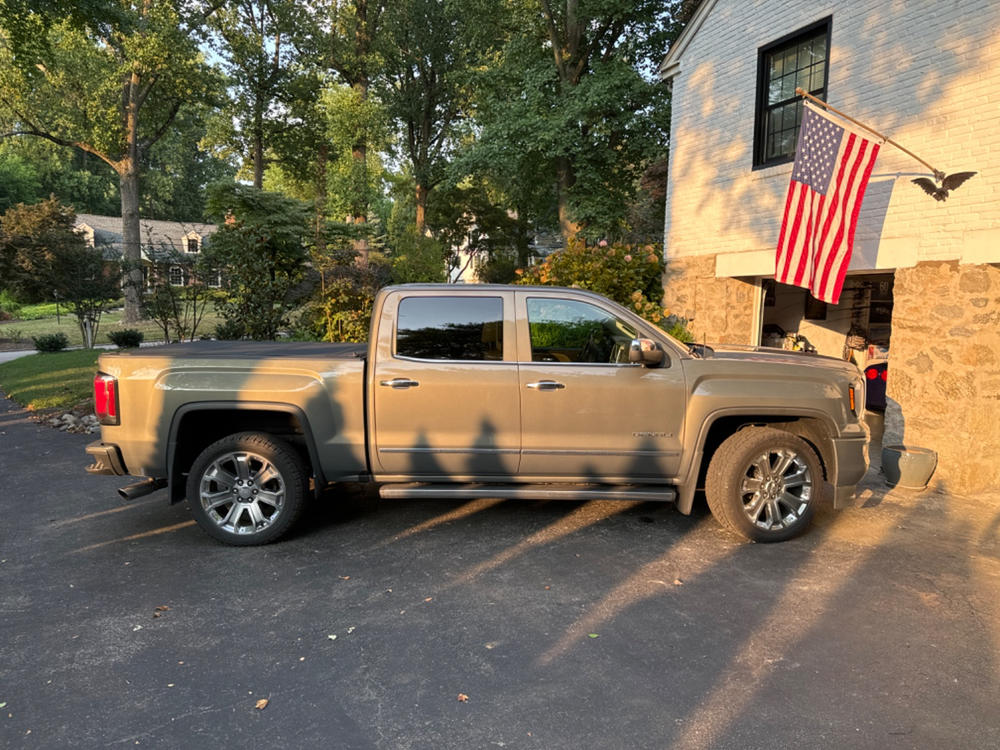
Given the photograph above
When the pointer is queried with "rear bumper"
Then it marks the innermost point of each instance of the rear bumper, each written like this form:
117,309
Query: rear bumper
107,459
852,464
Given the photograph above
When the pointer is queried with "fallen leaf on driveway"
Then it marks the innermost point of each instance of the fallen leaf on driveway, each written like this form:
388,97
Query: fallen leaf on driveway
332,637
163,608
261,704
463,698
678,582
593,635
429,598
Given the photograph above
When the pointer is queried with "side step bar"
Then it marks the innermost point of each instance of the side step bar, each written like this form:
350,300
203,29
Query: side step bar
421,491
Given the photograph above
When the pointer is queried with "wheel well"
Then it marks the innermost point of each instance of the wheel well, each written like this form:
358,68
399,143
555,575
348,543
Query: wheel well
812,430
198,429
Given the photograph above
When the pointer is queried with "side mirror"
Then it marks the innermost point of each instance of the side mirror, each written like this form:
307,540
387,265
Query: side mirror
645,352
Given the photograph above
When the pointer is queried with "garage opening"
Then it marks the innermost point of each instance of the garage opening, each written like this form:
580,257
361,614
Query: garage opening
858,329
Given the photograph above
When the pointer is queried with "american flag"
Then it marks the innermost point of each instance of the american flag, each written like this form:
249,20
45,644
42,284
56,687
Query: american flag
832,167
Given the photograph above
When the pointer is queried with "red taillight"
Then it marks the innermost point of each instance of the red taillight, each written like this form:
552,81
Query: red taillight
885,375
106,398
871,374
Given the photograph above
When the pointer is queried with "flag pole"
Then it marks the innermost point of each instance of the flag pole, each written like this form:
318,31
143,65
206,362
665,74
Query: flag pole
938,174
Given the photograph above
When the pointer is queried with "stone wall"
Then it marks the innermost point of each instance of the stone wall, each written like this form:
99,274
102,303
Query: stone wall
718,310
944,370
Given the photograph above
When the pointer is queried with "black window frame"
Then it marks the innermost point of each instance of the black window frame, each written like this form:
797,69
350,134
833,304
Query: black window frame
762,108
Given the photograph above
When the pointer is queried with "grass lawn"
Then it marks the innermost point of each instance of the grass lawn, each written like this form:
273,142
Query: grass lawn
59,380
111,321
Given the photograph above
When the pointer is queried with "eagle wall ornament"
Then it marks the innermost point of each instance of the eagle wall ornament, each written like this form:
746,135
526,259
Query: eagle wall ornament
949,183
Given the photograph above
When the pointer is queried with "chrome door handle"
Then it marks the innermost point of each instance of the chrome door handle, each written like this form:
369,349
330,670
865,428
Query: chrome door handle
400,383
546,385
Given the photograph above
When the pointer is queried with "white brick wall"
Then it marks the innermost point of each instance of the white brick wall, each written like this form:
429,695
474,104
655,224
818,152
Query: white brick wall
924,72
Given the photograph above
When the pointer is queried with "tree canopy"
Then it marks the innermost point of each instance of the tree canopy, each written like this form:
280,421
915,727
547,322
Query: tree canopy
464,130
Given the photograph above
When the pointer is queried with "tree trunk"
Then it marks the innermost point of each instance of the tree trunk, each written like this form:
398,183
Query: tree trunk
258,153
131,242
360,208
567,225
128,180
359,154
422,192
322,157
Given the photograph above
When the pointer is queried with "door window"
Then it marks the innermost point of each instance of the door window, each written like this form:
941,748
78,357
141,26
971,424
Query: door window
455,328
570,331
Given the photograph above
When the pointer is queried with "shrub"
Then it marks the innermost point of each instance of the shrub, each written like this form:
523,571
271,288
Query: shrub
229,330
631,275
51,342
12,334
9,307
127,338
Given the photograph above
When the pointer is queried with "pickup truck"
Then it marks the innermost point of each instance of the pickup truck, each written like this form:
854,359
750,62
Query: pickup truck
469,391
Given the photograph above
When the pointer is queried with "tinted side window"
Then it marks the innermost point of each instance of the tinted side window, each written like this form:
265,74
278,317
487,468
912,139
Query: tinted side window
450,328
567,331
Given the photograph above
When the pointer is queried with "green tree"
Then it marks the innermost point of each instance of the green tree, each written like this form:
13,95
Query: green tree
42,256
425,85
107,78
570,110
76,178
261,62
260,247
343,38
19,181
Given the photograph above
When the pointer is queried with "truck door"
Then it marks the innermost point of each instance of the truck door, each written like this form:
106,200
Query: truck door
587,412
445,390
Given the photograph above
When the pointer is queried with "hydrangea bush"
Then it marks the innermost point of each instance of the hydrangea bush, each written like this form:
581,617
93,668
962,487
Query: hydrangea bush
631,275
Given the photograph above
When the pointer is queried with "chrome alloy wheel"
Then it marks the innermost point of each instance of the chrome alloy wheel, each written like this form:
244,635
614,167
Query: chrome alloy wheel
776,489
242,492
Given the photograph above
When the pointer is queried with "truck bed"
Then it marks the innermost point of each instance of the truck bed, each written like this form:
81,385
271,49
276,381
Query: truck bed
253,350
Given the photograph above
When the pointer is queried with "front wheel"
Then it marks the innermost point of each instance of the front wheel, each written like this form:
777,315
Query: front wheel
763,484
247,488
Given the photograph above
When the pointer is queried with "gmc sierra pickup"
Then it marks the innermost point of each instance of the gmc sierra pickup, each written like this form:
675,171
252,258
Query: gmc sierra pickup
484,391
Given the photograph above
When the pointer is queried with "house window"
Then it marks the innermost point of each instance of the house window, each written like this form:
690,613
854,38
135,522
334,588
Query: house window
177,276
800,59
214,279
192,245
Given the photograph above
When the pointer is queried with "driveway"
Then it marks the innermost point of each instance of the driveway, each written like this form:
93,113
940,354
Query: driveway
488,623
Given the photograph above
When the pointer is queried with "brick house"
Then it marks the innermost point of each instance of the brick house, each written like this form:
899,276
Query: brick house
171,247
923,287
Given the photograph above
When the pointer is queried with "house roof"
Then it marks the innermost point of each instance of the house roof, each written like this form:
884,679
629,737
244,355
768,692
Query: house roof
671,64
153,234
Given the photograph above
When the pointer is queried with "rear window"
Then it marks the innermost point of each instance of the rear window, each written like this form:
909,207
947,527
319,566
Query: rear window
462,328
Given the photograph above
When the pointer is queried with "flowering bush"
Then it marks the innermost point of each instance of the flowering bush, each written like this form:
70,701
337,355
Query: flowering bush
631,275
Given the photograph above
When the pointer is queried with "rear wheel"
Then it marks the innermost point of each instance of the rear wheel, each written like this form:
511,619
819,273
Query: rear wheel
247,489
763,484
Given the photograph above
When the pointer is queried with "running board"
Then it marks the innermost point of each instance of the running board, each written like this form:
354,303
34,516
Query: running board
421,491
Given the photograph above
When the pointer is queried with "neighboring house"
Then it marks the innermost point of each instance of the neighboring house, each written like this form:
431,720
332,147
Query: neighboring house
924,282
171,247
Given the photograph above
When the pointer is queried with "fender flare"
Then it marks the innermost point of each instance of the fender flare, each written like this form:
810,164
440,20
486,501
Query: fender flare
689,485
176,490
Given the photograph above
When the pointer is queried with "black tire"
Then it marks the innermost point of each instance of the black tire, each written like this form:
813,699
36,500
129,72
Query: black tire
763,484
248,488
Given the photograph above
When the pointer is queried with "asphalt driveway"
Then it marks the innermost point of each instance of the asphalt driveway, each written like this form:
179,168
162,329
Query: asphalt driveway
487,624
